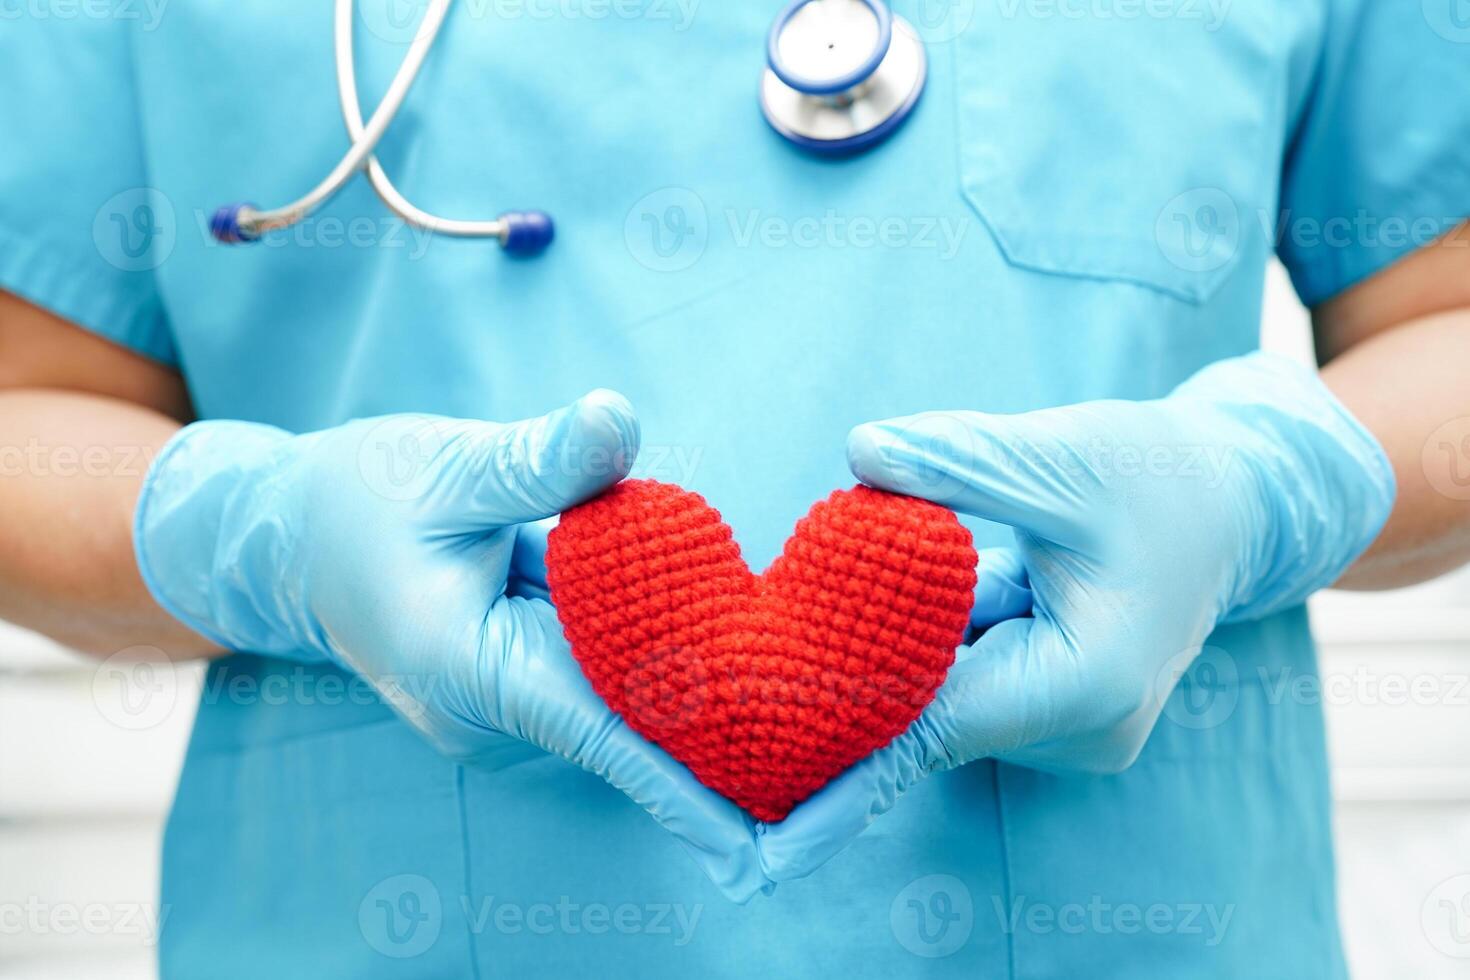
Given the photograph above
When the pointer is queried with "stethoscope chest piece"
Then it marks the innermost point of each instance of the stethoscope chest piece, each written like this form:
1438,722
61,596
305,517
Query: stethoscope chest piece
841,75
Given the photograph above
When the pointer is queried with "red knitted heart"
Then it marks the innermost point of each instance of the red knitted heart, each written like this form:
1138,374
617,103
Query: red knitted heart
765,687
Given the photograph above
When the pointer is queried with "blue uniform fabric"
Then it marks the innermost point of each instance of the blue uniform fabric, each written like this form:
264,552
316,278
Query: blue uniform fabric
1081,207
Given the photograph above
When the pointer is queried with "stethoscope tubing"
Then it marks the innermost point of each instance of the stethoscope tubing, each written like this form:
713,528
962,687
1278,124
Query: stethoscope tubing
524,232
365,139
377,176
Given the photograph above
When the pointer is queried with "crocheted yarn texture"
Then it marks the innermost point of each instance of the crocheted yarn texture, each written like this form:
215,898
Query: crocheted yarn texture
767,686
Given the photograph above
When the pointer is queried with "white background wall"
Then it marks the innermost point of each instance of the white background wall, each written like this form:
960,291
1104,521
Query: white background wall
84,783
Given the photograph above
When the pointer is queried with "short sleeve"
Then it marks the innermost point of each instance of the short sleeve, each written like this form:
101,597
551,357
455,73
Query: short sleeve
81,232
1380,163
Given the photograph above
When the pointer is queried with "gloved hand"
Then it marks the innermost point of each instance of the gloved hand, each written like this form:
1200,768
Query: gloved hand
1141,526
384,546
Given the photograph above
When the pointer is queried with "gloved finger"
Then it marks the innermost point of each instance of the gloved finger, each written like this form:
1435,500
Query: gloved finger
1027,694
1002,587
1020,685
495,475
822,826
1013,687
547,700
528,561
1013,469
716,833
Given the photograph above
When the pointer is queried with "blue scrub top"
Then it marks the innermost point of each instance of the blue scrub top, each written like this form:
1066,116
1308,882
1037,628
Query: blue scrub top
1082,206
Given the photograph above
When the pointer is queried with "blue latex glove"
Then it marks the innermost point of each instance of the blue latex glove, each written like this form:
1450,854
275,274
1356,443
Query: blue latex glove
384,546
1141,526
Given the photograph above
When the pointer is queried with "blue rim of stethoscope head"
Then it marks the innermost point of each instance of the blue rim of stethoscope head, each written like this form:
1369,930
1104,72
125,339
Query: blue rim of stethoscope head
854,78
851,145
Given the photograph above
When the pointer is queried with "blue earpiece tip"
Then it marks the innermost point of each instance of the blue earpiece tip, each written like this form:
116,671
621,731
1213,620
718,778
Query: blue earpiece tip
225,225
527,232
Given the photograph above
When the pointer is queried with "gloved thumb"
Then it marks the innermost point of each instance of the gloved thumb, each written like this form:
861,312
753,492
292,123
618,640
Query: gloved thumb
1002,588
1018,470
495,475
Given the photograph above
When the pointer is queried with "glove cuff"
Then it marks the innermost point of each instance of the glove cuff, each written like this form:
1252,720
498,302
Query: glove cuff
201,539
1327,486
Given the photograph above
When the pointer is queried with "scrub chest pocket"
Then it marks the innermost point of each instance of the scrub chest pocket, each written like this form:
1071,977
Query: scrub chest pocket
1088,155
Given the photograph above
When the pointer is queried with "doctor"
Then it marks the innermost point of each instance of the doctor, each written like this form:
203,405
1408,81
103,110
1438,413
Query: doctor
355,439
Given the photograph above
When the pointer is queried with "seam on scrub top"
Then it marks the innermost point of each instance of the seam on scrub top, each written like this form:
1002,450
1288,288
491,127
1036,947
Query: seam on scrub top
1005,863
42,271
290,738
684,305
464,849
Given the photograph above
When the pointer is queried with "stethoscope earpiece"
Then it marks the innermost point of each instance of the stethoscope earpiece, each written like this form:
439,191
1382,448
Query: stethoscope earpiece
226,227
841,76
526,232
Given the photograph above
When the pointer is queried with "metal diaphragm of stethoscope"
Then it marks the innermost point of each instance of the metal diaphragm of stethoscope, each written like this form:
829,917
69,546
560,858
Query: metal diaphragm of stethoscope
841,76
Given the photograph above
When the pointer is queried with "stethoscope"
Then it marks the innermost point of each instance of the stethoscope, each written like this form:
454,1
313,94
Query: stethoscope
841,76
